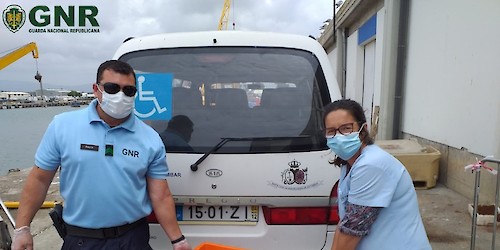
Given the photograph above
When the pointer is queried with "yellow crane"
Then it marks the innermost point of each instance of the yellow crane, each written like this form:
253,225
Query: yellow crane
224,15
18,54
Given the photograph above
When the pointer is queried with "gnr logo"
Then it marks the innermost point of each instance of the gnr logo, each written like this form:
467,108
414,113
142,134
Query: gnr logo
41,16
129,152
14,17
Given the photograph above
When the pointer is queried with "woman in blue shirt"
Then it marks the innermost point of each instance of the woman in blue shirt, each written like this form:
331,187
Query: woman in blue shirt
378,205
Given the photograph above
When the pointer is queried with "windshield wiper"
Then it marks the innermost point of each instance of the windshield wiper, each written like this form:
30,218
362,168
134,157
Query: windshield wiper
194,166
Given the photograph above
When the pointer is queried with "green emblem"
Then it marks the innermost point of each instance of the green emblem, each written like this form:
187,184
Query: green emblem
13,17
109,150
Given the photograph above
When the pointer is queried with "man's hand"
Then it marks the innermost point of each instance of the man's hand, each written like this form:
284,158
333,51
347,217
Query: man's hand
182,245
22,239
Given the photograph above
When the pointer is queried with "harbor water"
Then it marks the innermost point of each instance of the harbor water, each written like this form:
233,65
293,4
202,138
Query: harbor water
21,130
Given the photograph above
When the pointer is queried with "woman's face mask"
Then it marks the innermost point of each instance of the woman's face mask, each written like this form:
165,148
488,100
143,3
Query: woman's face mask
345,146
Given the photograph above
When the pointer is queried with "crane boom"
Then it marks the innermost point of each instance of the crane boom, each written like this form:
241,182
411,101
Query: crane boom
18,53
224,15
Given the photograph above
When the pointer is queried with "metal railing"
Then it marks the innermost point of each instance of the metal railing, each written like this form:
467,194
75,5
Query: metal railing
477,167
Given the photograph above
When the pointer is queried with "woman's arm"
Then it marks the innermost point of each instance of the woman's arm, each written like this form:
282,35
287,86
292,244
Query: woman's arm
354,226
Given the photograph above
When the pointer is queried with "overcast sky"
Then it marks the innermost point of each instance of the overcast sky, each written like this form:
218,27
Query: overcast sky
72,59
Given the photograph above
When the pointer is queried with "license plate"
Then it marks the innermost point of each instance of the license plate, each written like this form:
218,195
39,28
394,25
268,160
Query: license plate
218,213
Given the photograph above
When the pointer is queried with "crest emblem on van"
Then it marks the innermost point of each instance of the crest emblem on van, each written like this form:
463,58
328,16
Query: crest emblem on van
213,173
294,174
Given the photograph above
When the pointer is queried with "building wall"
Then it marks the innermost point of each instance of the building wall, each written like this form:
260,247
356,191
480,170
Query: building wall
451,94
355,74
14,95
332,59
354,69
452,91
452,83
378,56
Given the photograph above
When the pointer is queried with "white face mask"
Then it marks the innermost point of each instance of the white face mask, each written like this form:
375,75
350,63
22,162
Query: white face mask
117,105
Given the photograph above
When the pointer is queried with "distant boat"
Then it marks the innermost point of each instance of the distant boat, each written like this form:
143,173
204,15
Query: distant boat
75,104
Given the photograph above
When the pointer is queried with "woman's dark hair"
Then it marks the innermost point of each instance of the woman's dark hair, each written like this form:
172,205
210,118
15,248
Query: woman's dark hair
354,109
116,66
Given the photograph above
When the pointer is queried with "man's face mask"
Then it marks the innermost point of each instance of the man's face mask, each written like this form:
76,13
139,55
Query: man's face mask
118,104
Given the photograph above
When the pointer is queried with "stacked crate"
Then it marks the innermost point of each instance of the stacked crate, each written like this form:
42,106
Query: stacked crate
422,162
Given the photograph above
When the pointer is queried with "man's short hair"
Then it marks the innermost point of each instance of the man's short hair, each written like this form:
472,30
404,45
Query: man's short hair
116,66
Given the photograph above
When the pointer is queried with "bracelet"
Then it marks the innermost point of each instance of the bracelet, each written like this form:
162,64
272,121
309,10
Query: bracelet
179,239
23,228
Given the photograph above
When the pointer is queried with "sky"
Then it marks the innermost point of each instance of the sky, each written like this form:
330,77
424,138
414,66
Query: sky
70,61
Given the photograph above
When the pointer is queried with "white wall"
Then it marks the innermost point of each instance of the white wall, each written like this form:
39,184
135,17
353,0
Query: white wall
14,95
333,59
354,69
368,80
356,64
378,57
452,92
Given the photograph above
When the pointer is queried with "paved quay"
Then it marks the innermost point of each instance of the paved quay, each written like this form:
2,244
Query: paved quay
444,212
448,222
45,236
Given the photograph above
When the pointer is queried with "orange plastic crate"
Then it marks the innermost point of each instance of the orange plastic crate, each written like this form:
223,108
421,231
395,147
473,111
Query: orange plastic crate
214,246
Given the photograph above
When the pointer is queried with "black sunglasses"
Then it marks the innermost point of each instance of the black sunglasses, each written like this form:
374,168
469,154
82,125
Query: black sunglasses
113,88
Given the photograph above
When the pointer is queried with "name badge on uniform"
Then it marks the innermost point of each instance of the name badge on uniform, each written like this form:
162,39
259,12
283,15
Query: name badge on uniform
89,147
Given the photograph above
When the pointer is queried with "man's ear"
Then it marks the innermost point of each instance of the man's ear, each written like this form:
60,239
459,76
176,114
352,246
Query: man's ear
95,88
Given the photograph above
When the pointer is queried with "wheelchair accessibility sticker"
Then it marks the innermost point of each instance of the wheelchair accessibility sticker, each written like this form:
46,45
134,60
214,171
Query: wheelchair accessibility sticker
153,100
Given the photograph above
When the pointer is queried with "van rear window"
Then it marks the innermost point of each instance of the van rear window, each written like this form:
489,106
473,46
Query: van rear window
274,95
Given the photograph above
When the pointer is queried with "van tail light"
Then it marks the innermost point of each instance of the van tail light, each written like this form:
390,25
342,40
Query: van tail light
333,216
304,215
295,215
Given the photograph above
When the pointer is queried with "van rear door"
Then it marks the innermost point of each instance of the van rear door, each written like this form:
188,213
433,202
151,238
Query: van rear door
247,156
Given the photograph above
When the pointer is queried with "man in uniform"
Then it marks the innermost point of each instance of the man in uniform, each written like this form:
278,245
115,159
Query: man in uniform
112,172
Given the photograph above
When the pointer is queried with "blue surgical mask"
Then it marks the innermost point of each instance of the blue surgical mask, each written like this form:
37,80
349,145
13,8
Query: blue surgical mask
345,146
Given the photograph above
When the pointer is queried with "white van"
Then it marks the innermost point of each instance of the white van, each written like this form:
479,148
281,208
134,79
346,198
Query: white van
249,166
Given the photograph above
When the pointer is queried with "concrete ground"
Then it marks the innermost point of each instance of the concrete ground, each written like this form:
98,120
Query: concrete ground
444,213
44,234
448,222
